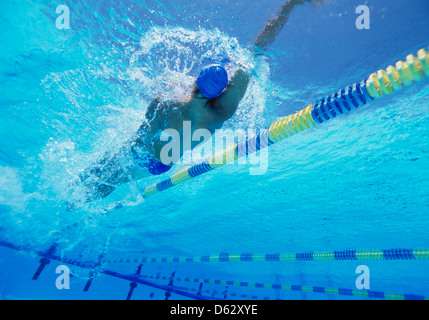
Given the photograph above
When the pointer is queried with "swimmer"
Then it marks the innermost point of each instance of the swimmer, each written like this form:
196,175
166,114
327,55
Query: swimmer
213,101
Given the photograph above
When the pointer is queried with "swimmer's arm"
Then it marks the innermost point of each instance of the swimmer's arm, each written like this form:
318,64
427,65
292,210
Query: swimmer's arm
227,103
275,25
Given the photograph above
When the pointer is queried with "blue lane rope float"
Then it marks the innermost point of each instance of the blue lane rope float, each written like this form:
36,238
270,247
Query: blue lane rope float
370,294
342,255
378,85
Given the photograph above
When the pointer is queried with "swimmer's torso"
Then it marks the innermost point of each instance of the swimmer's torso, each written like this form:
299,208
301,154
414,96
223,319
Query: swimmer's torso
163,115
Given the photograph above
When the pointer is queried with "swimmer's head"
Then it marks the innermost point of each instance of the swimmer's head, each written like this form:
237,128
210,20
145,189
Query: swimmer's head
212,81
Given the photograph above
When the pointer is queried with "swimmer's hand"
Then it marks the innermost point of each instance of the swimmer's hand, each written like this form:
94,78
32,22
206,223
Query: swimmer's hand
319,3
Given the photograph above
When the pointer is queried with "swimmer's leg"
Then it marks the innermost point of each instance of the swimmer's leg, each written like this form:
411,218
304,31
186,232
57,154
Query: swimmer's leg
105,176
102,178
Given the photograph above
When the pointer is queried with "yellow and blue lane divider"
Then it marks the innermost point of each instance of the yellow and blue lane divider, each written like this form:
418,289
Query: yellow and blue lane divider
342,255
369,294
379,84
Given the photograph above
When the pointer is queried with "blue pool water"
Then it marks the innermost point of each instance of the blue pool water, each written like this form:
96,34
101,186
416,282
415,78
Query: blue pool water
359,182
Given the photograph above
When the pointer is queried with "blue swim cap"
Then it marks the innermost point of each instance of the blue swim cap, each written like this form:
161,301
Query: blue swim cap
212,80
